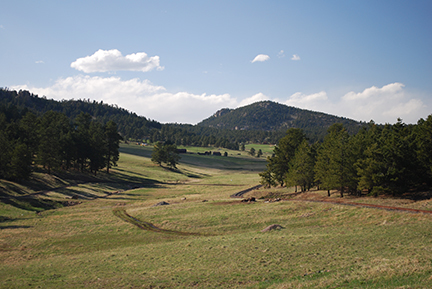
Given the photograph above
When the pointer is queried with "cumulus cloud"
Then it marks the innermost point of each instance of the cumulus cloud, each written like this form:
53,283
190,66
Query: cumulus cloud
383,105
261,58
254,98
295,57
113,60
139,96
301,100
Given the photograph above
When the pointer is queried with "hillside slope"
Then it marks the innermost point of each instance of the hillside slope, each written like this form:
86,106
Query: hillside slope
272,116
129,124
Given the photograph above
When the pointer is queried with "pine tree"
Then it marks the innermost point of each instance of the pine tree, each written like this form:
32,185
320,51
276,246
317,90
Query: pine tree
252,151
301,172
112,138
335,163
279,164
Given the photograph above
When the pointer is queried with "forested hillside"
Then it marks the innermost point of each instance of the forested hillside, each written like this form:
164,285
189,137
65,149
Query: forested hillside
263,122
272,116
129,124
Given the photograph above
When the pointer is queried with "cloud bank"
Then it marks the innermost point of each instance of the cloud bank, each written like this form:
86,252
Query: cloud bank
383,105
113,60
260,58
139,96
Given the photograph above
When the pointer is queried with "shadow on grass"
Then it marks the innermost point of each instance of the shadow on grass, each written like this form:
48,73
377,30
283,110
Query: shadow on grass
7,187
5,219
185,172
32,203
23,197
14,227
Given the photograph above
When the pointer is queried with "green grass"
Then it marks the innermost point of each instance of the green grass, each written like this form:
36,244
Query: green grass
267,149
214,244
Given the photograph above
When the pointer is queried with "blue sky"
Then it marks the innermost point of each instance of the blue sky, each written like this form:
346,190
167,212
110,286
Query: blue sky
181,61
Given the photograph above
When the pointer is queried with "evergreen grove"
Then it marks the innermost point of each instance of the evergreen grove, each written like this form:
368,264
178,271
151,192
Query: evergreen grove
51,141
379,159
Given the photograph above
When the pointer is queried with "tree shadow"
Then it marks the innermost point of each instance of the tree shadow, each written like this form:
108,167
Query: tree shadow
14,227
417,195
32,203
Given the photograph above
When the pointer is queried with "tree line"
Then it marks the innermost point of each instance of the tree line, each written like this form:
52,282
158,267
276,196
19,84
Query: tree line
388,159
138,128
52,141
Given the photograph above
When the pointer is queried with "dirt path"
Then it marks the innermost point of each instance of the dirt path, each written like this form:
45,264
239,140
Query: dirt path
241,193
122,214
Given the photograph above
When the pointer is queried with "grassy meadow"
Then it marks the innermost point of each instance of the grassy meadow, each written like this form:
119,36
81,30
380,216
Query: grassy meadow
206,239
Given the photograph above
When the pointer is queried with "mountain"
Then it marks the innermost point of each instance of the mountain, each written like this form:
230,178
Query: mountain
272,116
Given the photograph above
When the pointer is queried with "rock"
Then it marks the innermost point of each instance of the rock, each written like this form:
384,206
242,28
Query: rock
163,203
272,227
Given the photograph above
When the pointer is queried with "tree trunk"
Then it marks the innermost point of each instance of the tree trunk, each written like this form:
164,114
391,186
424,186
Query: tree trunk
328,193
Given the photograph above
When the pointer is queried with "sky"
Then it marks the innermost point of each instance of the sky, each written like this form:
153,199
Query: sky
181,61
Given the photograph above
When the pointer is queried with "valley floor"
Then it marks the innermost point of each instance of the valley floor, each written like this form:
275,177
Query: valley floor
116,236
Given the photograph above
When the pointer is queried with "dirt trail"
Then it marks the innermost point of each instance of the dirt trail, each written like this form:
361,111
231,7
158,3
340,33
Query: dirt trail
241,193
122,214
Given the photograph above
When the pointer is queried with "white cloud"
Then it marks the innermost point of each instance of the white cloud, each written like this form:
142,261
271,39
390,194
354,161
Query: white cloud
39,62
261,58
2,27
281,54
300,100
141,97
383,105
295,57
113,60
392,88
254,98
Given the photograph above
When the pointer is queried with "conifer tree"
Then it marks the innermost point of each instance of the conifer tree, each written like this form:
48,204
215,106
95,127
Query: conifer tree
334,167
301,172
112,138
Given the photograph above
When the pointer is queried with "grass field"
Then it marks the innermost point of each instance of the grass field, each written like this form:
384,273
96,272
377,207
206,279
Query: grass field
204,238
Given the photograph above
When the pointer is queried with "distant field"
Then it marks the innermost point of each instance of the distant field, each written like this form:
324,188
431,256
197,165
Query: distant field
265,148
101,243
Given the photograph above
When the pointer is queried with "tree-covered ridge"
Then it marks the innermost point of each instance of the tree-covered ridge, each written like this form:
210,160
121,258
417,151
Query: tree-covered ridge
378,159
132,127
272,116
129,124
